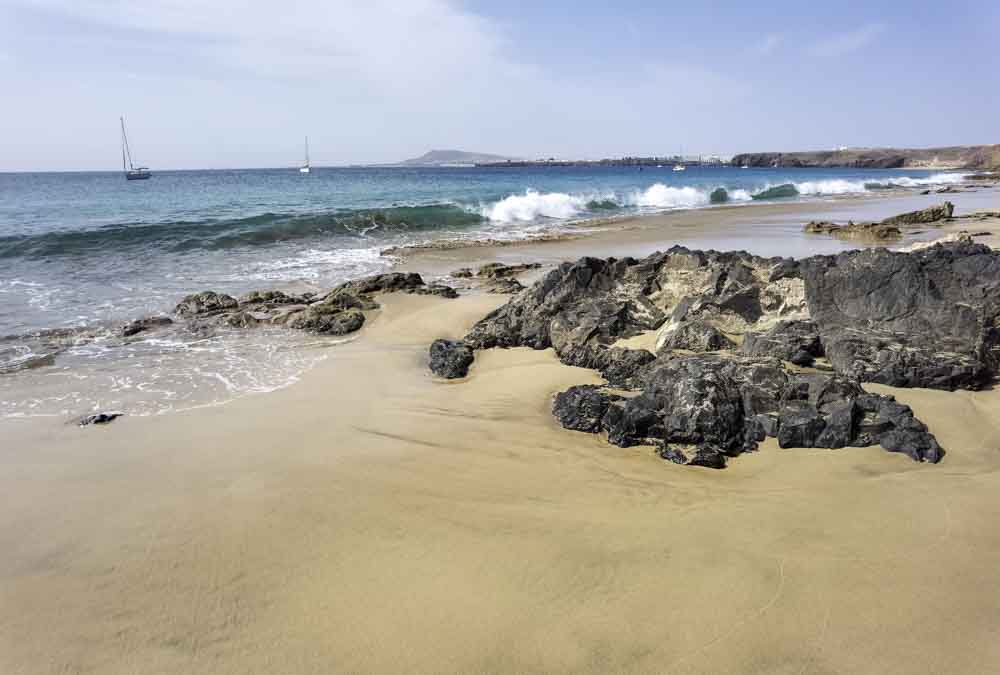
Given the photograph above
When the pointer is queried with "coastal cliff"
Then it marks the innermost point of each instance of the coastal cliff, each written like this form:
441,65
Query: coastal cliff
958,157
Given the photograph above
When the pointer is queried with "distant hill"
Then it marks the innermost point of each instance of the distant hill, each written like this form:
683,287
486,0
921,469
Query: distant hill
452,157
959,157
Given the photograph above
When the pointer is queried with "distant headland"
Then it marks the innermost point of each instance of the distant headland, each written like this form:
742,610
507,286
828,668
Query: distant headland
978,157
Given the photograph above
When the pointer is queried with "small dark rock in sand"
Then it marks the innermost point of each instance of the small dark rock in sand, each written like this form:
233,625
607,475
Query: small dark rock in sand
142,325
450,359
582,408
98,418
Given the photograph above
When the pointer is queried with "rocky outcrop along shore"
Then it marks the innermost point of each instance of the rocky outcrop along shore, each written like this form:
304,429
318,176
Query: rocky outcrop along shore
733,332
340,311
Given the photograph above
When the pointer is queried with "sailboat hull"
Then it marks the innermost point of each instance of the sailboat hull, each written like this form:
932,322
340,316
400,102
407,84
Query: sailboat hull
137,175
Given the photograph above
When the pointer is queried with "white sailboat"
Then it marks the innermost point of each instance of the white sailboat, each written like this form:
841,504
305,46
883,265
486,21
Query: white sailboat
305,168
132,172
679,166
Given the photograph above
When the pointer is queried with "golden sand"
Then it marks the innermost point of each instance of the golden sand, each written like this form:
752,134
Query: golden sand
374,519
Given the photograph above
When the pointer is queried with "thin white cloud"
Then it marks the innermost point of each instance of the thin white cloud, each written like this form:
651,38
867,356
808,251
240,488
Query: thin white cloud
851,41
768,44
226,84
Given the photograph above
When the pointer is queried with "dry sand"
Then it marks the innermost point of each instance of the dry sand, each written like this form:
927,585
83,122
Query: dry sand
372,519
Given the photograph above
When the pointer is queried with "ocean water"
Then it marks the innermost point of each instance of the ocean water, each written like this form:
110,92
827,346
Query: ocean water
83,252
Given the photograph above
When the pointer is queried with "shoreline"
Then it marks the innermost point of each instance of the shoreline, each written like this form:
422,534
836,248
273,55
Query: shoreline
373,518
356,520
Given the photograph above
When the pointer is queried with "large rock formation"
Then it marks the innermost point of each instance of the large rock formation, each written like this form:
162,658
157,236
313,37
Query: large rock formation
924,319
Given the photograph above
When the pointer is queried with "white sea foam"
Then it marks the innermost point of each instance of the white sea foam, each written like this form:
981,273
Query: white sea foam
666,197
533,205
830,187
315,263
933,179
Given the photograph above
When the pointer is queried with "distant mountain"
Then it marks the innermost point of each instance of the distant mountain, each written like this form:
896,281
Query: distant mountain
451,157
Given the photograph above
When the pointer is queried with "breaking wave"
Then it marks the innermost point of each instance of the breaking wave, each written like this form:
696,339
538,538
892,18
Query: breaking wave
533,205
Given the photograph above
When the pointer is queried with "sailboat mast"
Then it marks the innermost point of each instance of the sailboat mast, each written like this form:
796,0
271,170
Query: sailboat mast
307,151
124,168
125,147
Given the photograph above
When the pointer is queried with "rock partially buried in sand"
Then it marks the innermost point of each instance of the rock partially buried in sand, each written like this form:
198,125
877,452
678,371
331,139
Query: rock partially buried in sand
450,359
98,418
852,230
929,215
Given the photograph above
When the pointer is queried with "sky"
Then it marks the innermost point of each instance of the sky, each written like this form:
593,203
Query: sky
227,84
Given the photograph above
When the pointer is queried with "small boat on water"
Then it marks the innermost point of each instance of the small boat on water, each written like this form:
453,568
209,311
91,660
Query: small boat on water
132,172
305,168
679,167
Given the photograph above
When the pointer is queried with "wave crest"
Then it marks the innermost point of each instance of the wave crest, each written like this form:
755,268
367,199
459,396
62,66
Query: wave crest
533,205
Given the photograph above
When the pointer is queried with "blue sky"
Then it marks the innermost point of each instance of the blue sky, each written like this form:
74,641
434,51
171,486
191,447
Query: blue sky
228,84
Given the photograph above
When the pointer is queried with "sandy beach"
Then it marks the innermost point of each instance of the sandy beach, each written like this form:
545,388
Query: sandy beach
374,519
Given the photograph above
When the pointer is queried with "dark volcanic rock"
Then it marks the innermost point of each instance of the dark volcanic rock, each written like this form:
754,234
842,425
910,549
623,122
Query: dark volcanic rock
923,319
697,336
393,282
726,406
582,408
390,282
205,303
708,457
929,215
795,341
328,319
98,418
450,359
142,325
930,318
617,365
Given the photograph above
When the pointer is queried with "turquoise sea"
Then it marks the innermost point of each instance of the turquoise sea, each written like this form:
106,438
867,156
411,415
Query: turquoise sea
83,252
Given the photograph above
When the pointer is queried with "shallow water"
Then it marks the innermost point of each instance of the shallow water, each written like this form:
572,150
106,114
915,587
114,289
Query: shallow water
88,251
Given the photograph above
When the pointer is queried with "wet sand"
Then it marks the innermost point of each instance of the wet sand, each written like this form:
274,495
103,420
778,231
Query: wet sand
373,519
